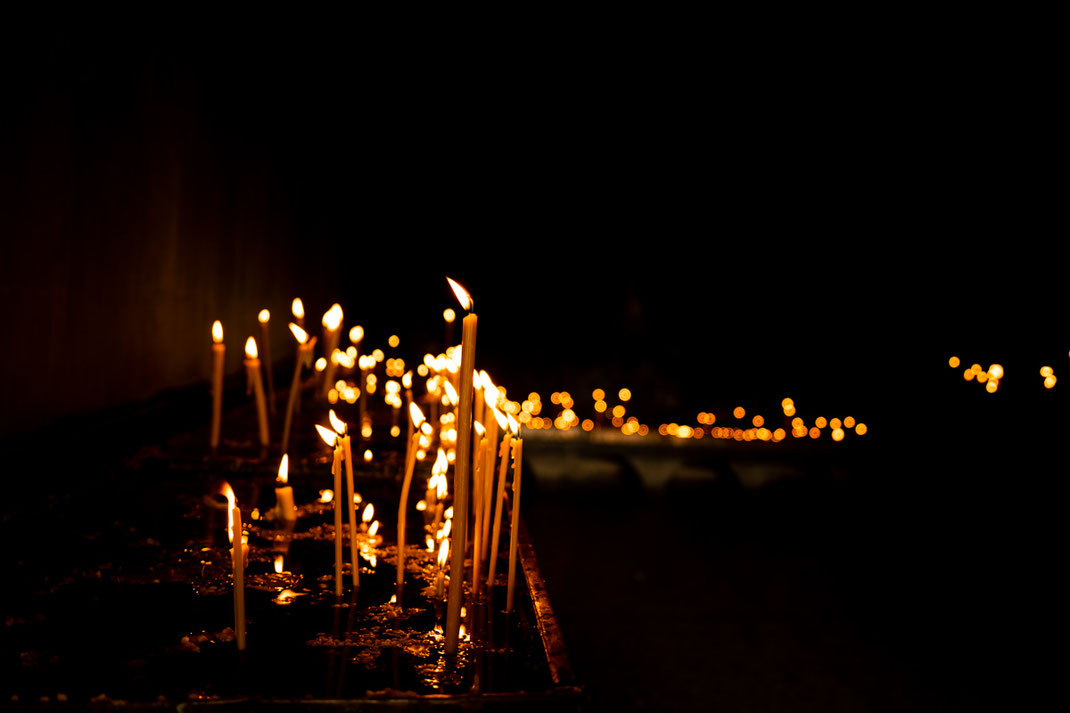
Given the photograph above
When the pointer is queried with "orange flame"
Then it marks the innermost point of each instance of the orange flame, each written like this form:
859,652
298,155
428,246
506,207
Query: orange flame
284,469
462,295
332,318
278,564
374,528
443,553
480,431
336,423
264,316
356,333
299,334
250,348
217,331
232,501
503,422
406,380
514,425
329,437
451,393
448,314
416,415
298,308
369,513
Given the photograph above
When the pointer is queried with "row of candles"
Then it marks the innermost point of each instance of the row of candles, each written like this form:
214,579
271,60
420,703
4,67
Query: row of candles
991,377
471,427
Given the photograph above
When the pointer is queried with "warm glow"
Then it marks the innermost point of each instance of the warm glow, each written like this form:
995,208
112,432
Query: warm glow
598,394
478,428
624,394
849,422
1049,382
406,381
250,348
954,362
968,375
618,411
462,295
758,421
421,505
995,372
451,393
298,308
1046,371
368,514
332,318
264,316
503,422
326,496
837,434
416,415
820,422
992,385
279,561
284,469
514,425
374,528
356,333
443,553
739,412
449,315
835,423
368,456
393,340
337,424
329,437
815,432
861,429
228,493
299,334
217,331
449,513
787,403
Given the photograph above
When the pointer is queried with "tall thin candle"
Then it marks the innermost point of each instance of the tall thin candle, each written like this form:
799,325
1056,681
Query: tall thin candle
265,340
514,531
332,327
461,468
304,360
351,506
416,416
503,454
252,370
331,439
218,350
237,556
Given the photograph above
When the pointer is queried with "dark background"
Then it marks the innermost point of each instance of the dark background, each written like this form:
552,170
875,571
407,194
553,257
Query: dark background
709,223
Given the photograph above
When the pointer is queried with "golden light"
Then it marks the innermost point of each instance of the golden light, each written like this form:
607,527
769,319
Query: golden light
298,308
326,496
618,411
861,429
421,505
449,513
779,435
739,412
284,469
787,403
356,499
416,415
449,315
587,425
992,385
336,423
600,406
332,318
982,377
329,437
379,355
954,362
228,493
976,369
758,421
820,422
321,364
849,422
796,423
1049,382
624,394
968,375
366,432
356,333
789,412
514,425
815,432
299,334
393,340
462,295
1046,371
406,380
451,393
443,553
478,427
837,434
217,331
279,561
835,423
500,417
250,348
368,455
264,316
369,513
374,528
995,371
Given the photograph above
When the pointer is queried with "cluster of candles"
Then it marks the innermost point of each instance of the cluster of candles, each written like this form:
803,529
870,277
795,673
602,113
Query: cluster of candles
992,376
470,422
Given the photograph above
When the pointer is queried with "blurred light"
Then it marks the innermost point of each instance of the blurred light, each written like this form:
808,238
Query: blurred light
849,422
600,406
1046,371
598,394
835,423
624,394
861,429
787,403
995,372
815,432
954,362
1049,382
587,424
618,411
796,423
393,340
739,412
758,421
449,315
992,385
968,375
837,434
820,422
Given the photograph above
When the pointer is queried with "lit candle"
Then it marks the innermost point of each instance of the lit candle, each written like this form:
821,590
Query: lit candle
332,327
284,494
298,309
234,532
490,396
461,468
417,417
503,454
265,339
347,453
218,349
514,531
331,439
406,383
252,370
477,504
304,359
443,557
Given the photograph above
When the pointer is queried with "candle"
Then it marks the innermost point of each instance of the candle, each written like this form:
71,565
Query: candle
237,557
265,339
518,450
284,494
461,467
490,396
477,505
298,309
503,454
218,350
332,327
347,453
443,557
252,370
331,439
417,417
304,359
406,383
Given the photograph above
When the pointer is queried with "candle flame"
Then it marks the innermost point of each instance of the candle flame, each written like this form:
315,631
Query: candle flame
250,348
446,529
373,529
480,431
356,334
326,496
514,425
336,423
449,513
369,513
332,318
443,553
299,334
217,331
406,380
284,469
448,314
441,462
503,422
451,393
462,295
264,316
329,437
278,564
298,308
228,493
416,415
